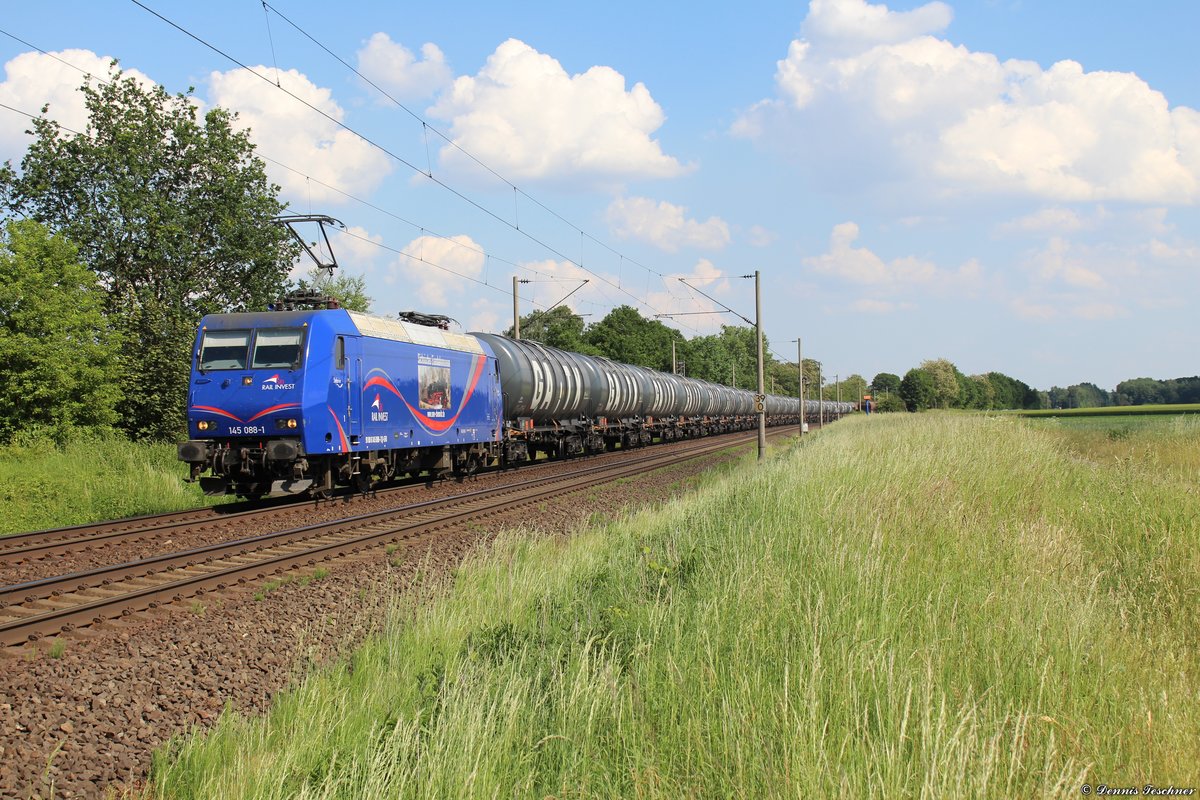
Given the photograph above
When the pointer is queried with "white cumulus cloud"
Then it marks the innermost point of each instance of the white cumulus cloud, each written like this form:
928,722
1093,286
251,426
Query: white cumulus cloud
397,70
665,225
1182,254
438,270
857,22
860,265
524,116
1054,220
887,283
357,248
1058,262
289,132
1099,311
869,305
32,80
871,85
761,237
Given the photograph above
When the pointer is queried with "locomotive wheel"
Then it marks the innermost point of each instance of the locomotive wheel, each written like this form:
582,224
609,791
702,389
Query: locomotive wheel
469,468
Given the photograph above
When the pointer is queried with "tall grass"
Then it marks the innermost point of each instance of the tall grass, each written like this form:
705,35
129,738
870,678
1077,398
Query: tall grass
89,478
1171,409
903,606
1163,447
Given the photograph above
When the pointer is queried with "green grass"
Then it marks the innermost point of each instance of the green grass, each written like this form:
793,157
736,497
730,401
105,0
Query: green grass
93,478
902,606
1114,411
1160,446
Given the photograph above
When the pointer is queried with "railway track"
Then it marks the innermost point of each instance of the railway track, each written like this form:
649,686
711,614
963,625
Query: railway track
21,549
53,605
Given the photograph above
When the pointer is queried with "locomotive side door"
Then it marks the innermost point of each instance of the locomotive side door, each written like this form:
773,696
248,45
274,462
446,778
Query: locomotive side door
345,394
354,412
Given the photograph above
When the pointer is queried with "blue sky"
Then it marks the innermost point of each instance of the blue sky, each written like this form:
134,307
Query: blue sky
1010,185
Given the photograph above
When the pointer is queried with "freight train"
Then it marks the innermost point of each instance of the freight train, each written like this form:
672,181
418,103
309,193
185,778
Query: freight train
304,400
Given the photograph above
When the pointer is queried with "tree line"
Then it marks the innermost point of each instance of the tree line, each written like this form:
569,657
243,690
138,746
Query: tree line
938,383
1132,392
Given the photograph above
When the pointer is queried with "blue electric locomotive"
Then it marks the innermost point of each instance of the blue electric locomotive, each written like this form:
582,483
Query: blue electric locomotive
291,401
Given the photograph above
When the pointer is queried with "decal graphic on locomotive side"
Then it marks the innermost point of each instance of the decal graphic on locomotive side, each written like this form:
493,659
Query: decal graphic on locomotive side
272,383
223,413
433,384
377,412
345,445
429,416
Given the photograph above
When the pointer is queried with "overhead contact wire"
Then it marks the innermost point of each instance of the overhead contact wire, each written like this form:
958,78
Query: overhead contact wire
386,151
472,157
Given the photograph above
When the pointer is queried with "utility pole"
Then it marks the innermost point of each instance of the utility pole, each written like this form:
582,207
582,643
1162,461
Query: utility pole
760,398
762,415
837,386
674,368
821,396
516,311
800,389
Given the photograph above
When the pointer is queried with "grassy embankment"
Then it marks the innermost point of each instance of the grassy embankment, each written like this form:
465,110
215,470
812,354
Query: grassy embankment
87,480
932,605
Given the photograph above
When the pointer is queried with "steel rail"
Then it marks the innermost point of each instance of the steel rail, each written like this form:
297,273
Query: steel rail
55,541
379,527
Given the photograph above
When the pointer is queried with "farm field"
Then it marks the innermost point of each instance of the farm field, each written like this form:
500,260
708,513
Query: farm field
1115,411
905,605
1161,447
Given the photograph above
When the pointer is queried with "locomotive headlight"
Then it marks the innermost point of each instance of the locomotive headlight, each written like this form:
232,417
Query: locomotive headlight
285,423
204,425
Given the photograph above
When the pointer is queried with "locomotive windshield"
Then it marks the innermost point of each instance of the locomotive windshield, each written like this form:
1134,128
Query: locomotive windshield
277,347
224,350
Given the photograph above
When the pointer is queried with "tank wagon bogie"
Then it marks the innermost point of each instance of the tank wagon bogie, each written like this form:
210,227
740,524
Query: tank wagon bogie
302,401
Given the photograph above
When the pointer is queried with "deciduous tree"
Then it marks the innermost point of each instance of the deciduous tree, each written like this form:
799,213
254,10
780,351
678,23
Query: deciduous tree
173,214
945,381
625,335
559,327
917,389
349,290
886,382
58,353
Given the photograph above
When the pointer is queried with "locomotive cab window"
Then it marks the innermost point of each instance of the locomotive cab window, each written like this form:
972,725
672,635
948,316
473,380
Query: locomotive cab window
277,347
224,350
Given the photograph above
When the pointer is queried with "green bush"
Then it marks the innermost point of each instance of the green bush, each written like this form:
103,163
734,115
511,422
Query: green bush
50,479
